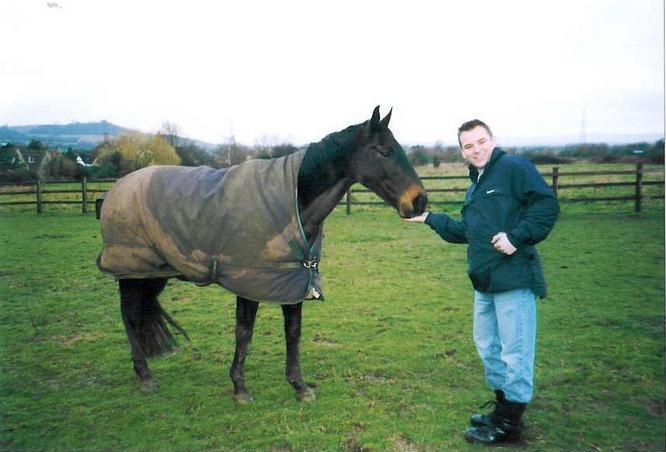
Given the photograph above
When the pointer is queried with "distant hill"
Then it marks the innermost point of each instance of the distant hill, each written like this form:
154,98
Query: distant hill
75,128
8,135
78,135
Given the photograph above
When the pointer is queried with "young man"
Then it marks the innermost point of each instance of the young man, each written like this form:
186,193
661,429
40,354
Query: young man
508,209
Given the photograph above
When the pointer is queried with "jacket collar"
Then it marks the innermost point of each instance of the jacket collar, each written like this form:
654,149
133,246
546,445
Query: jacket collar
474,172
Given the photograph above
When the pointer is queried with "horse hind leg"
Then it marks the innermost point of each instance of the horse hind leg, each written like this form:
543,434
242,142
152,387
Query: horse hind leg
246,313
146,324
292,329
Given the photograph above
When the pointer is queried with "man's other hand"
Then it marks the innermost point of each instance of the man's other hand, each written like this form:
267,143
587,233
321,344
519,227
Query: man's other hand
502,244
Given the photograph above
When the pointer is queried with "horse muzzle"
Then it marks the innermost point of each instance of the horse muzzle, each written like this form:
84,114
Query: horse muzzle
413,201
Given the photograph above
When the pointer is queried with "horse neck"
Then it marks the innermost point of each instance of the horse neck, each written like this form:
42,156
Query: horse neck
324,179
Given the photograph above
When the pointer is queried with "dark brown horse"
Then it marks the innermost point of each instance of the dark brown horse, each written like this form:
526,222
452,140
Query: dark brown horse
366,153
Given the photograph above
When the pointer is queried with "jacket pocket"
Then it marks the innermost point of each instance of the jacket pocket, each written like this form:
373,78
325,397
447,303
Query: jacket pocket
483,260
480,280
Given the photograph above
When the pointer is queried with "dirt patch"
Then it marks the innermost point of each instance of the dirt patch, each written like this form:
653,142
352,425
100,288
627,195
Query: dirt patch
402,445
376,378
352,445
446,353
655,407
324,341
73,339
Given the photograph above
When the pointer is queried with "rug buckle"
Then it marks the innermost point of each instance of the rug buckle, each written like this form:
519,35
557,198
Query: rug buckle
312,263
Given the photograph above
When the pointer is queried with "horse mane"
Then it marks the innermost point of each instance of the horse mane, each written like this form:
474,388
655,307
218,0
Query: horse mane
332,148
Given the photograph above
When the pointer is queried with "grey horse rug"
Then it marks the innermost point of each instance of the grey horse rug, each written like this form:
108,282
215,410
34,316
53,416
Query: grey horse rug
237,227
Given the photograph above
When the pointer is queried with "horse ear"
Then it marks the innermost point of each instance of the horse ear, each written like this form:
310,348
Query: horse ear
387,118
374,121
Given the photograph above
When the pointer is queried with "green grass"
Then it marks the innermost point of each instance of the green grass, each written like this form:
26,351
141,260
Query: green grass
390,349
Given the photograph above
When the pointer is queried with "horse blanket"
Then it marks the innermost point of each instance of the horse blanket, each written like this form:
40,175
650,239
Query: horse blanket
238,227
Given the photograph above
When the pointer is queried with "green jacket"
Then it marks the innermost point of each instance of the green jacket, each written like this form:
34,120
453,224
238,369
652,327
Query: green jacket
512,197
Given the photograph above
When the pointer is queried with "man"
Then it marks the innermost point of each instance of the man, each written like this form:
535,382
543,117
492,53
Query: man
508,209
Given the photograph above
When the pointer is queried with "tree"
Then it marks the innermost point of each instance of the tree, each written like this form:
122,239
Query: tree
437,153
418,156
128,147
55,165
161,152
133,151
655,154
283,149
171,132
11,157
107,163
231,153
193,155
263,146
71,154
264,154
36,145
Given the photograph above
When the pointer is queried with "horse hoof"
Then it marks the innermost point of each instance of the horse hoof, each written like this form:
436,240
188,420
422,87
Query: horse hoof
306,395
243,398
147,385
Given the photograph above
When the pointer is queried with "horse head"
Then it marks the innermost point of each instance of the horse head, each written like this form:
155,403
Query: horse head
380,164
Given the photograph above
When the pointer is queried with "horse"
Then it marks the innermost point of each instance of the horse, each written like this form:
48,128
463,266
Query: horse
366,153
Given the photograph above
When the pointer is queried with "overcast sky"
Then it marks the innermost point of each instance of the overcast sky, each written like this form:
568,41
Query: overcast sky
297,70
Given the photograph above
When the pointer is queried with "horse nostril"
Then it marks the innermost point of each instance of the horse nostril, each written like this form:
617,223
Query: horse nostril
419,203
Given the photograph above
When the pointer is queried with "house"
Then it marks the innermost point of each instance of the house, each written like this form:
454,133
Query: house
11,157
33,157
79,161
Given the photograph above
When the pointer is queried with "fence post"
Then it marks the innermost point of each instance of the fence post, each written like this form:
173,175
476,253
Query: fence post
556,176
39,195
639,187
84,195
348,201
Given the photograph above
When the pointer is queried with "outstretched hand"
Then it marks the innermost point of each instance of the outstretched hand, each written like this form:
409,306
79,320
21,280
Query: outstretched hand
418,219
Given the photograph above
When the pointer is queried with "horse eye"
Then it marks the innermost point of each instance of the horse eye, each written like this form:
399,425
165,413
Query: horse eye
383,151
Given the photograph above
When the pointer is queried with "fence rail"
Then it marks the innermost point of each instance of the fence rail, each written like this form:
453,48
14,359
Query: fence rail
638,195
39,193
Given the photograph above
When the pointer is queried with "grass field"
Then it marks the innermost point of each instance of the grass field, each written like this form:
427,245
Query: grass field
390,349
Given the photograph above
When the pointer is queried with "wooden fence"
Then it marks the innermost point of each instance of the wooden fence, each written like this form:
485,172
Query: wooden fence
42,194
637,197
38,189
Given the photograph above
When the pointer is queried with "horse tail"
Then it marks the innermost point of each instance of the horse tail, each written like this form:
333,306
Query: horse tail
146,322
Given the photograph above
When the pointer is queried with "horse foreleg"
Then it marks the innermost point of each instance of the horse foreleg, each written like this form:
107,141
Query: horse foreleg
246,313
292,330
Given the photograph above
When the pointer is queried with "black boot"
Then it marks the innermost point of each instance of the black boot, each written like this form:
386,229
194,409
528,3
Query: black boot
483,420
505,426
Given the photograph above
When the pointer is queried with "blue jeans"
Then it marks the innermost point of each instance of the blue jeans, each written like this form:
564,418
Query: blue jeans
505,337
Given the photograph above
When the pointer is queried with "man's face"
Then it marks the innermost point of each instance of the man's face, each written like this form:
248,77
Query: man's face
477,146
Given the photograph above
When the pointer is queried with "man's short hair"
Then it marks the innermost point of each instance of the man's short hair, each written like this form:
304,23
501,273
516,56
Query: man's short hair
469,125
